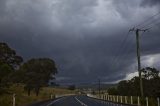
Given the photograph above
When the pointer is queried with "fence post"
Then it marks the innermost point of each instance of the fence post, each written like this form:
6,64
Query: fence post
14,99
111,97
108,97
125,99
138,101
146,101
51,96
121,99
114,98
117,99
131,100
158,101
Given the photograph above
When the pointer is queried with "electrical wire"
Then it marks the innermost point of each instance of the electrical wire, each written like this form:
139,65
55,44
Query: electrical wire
120,49
142,23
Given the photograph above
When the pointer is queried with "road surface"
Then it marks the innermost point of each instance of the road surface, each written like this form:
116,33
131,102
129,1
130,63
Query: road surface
78,101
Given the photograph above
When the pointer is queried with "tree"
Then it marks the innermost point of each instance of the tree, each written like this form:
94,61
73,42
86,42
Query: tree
9,61
5,70
151,83
37,73
9,56
112,91
150,73
71,87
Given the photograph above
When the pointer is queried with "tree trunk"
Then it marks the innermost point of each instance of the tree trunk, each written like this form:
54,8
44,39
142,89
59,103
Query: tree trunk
29,91
37,91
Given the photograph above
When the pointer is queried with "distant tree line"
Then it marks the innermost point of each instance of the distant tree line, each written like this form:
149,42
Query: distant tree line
71,87
34,74
151,84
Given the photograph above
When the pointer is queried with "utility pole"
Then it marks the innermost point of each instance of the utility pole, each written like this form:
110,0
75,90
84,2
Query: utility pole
139,61
138,57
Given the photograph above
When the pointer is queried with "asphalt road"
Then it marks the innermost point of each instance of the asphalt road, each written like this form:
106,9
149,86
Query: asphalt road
78,101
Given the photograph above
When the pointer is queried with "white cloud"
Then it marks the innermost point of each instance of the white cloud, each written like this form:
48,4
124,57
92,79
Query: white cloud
131,75
151,60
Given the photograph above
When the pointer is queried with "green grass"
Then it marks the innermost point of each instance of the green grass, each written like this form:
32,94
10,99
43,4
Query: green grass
23,99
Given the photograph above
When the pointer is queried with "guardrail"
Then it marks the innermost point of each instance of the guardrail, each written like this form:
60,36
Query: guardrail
129,100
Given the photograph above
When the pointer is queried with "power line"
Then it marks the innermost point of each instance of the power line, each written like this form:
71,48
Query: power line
120,48
153,25
142,23
126,50
152,22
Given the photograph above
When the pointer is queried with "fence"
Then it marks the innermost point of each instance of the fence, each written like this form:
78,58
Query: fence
130,100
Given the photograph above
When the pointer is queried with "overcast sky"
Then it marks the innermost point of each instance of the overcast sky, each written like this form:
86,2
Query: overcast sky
84,37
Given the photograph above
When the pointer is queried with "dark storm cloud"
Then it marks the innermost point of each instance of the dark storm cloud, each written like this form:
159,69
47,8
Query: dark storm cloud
150,2
82,36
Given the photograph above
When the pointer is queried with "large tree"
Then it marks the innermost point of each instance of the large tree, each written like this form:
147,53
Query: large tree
151,81
9,56
151,84
37,73
9,61
150,73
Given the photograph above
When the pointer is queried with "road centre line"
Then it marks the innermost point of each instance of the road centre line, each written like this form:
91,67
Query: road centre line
83,104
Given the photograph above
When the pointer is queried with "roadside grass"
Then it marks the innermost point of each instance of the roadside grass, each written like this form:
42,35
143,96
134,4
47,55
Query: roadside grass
23,99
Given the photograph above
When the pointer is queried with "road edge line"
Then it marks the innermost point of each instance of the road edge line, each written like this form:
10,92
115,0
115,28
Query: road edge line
83,104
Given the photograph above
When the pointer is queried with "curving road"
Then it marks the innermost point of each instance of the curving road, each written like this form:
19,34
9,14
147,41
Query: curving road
78,101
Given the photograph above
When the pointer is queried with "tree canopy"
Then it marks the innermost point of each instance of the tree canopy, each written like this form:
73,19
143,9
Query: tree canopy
38,72
151,84
34,74
9,56
9,61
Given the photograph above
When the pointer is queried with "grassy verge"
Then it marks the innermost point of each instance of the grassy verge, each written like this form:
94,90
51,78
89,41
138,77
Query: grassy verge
22,98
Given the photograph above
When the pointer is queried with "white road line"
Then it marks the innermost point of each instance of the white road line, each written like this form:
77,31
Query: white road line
55,101
83,104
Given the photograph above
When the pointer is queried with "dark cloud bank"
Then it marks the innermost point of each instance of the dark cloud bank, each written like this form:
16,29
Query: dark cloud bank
83,37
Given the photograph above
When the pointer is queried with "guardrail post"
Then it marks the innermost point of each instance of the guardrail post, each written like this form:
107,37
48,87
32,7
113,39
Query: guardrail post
158,101
138,101
111,97
125,99
108,97
114,98
51,96
14,99
121,99
131,100
146,101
